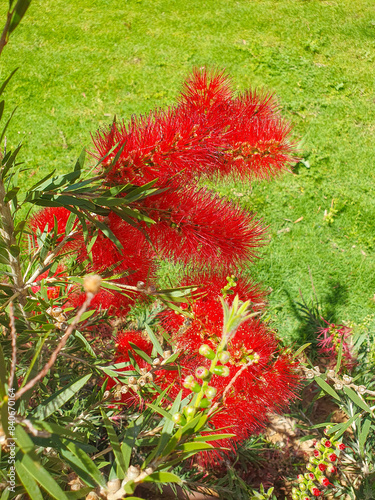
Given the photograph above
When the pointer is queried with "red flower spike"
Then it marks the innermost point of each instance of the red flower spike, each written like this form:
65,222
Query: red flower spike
45,219
195,225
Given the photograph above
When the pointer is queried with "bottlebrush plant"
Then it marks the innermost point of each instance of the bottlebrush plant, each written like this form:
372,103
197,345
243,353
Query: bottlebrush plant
81,417
210,132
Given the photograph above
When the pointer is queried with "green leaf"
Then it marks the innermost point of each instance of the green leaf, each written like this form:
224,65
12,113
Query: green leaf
58,399
339,358
140,353
11,194
19,11
327,388
2,88
34,468
90,467
162,477
194,447
339,429
113,439
363,435
83,492
154,340
301,349
6,125
28,481
214,437
80,163
356,399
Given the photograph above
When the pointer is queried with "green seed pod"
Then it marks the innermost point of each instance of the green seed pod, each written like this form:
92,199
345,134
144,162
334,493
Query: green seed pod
206,351
205,403
224,357
210,392
223,371
203,373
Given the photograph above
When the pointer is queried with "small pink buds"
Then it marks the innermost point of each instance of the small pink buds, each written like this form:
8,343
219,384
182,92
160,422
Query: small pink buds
316,492
332,457
206,351
324,481
222,371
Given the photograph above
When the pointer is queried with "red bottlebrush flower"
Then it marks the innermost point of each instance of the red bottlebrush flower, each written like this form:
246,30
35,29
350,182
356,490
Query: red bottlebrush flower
316,492
268,380
322,467
195,225
317,453
208,132
332,457
327,444
341,446
47,217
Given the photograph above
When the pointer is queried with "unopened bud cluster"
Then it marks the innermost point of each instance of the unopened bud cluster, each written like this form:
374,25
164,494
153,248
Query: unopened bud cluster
204,375
321,467
134,383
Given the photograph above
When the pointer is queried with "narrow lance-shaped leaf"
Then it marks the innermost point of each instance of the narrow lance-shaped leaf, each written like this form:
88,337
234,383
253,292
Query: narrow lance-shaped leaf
58,399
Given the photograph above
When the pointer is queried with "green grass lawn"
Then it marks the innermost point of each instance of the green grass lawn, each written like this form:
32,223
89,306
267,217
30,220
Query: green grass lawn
82,62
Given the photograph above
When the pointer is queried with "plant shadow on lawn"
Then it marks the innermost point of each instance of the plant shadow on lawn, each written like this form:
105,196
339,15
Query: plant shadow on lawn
314,314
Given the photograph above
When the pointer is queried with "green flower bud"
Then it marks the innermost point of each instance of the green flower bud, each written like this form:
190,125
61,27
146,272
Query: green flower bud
189,411
178,419
223,371
224,357
206,351
205,403
191,383
203,373
210,392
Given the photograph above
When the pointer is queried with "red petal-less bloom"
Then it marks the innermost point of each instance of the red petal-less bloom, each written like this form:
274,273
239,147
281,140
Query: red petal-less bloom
265,385
209,132
46,218
200,227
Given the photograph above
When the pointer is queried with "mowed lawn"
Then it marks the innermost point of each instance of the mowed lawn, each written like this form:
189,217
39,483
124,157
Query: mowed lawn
81,62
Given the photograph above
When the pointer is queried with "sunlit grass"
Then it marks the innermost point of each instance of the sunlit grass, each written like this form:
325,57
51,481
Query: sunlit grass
83,62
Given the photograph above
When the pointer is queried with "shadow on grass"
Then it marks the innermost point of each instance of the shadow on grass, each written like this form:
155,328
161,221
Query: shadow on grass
314,313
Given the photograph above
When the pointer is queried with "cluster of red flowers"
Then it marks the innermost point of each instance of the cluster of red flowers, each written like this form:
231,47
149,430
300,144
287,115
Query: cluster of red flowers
210,132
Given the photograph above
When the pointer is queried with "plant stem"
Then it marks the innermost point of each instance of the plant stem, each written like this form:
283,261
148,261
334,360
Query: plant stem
64,338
